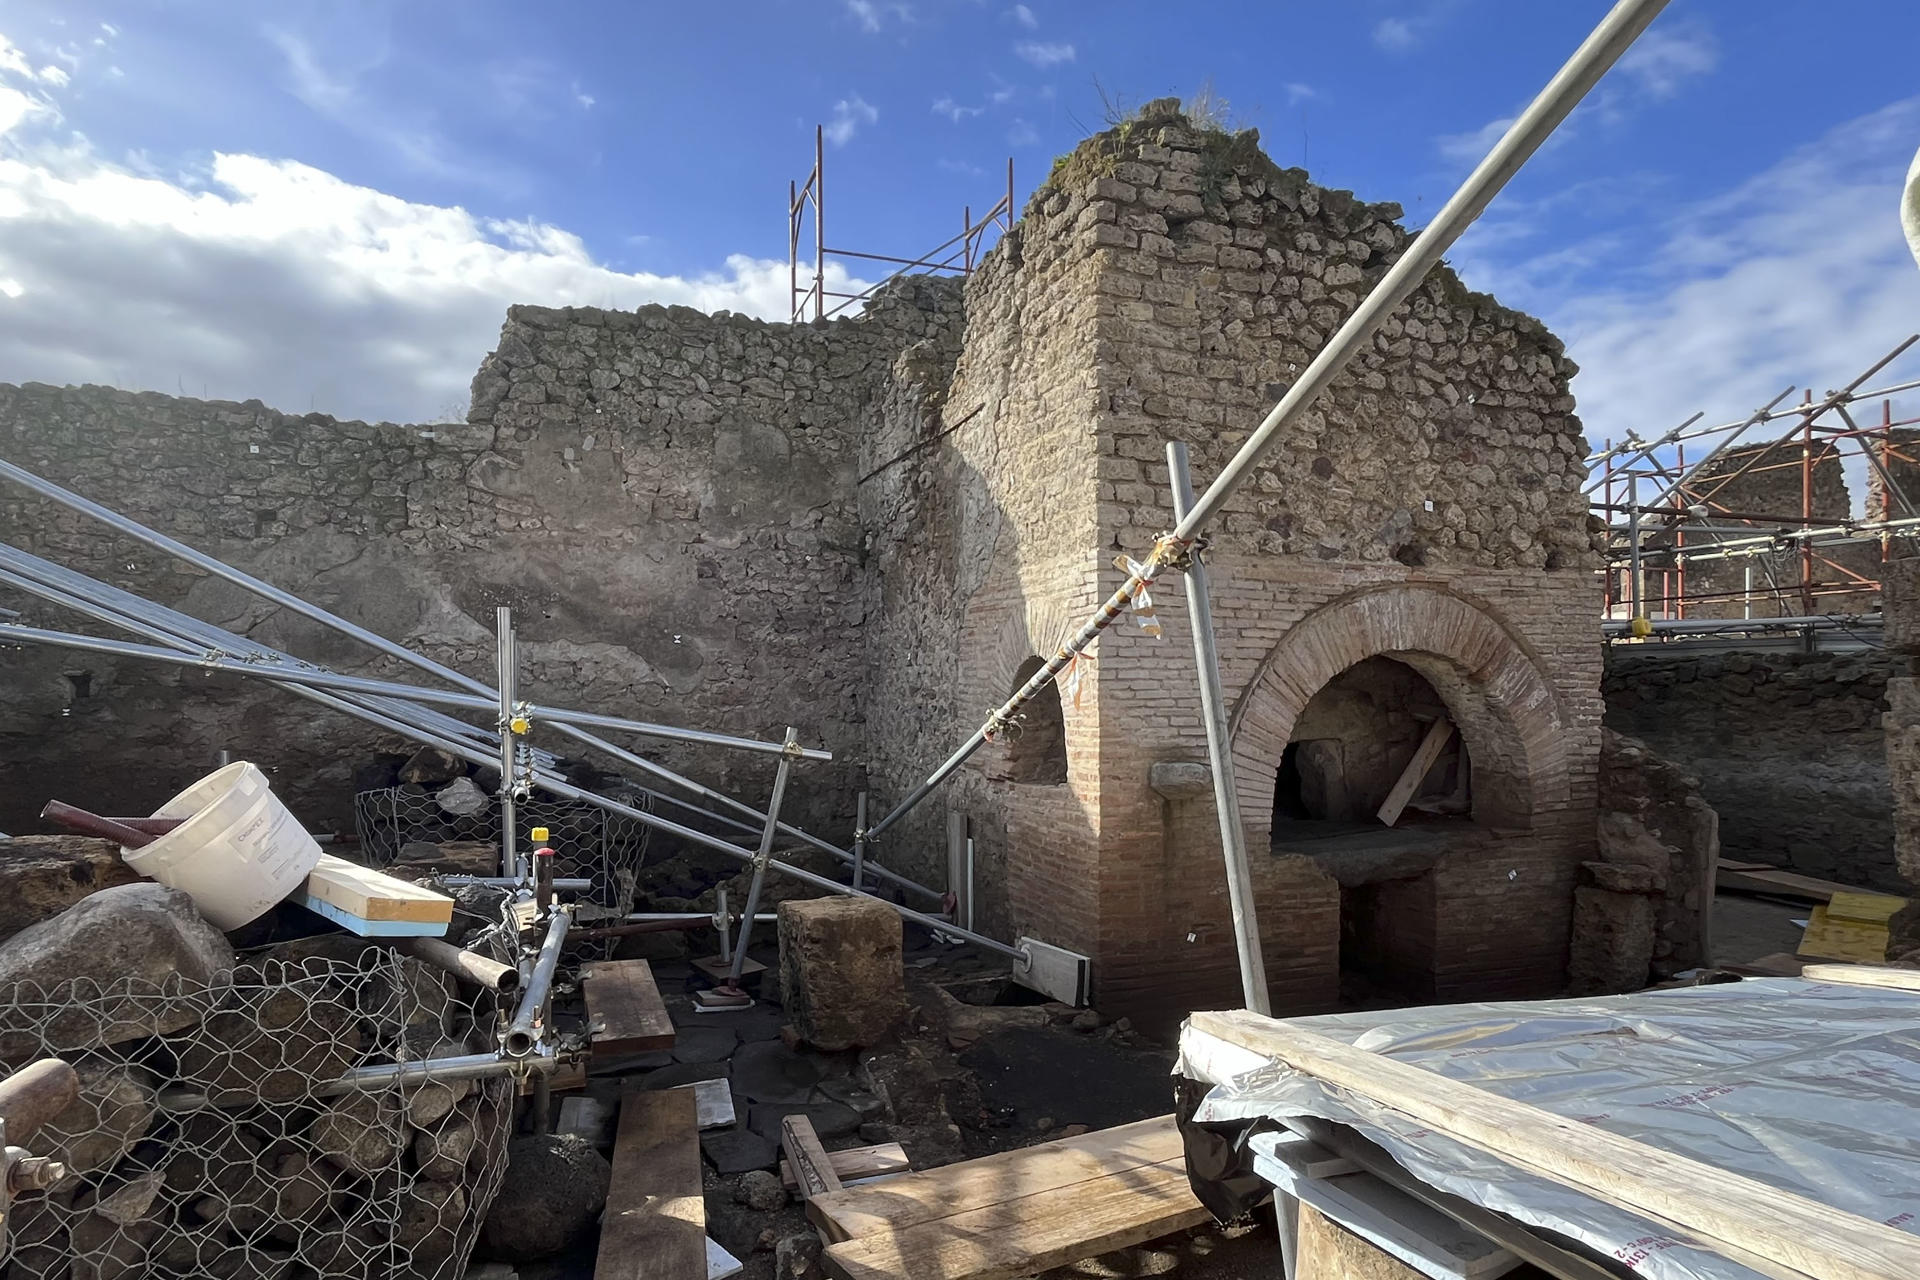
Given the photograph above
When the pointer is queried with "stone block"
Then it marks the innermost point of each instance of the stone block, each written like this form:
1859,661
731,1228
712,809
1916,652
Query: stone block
840,970
44,875
120,964
1180,779
1613,937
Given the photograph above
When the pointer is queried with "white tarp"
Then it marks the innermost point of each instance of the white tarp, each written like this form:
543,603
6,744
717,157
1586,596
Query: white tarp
1813,1087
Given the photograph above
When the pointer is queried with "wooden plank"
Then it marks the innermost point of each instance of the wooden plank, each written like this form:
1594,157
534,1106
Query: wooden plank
812,1172
1754,877
1028,1235
1439,733
1864,975
1776,1232
374,928
1852,926
957,864
624,1011
374,895
656,1219
1054,971
934,1194
858,1162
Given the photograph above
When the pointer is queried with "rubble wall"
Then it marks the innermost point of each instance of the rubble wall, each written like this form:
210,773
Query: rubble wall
980,506
1901,726
1168,283
1788,748
664,498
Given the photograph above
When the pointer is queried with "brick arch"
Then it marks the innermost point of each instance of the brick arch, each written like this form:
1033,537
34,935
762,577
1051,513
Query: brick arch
1494,688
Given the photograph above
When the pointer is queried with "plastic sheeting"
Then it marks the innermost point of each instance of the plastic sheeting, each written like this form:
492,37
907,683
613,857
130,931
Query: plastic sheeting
1813,1087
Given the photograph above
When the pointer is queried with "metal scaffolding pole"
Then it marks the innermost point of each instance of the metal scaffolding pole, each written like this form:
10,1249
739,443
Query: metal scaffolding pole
1611,38
1226,793
762,856
287,600
507,675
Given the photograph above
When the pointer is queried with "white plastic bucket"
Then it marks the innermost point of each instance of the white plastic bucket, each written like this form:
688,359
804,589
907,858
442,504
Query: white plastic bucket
237,854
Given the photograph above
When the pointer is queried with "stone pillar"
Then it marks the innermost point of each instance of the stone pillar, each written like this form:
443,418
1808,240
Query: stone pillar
840,971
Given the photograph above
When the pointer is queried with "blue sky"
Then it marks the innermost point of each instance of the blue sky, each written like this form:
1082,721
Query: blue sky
329,205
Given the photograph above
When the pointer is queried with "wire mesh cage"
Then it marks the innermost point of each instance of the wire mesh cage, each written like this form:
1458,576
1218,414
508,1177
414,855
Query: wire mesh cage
588,842
212,1135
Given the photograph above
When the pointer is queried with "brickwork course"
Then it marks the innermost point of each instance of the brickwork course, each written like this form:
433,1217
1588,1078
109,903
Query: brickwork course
866,528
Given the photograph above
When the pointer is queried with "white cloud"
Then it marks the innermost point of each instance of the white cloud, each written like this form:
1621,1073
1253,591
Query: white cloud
1298,92
1472,146
55,76
1001,93
1024,16
15,107
849,114
1022,134
1044,54
872,14
1663,59
1395,35
269,278
954,111
1799,274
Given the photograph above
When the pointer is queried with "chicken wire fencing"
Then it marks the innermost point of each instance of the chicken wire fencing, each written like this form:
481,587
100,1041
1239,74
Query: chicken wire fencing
588,842
205,1140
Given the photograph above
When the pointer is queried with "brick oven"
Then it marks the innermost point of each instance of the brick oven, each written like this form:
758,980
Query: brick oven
1415,550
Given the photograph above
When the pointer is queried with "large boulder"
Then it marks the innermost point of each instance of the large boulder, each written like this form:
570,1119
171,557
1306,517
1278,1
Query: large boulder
840,971
556,1184
44,875
1615,915
132,961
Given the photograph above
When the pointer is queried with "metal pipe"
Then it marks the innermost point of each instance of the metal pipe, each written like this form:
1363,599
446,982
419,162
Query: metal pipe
287,600
1226,793
521,1038
1851,397
1611,38
548,781
194,639
761,858
1789,622
505,675
461,963
572,884
468,1066
765,917
859,839
1636,588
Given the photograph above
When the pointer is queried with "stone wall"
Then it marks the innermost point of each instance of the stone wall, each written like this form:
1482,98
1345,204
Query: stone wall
1788,748
1901,726
1166,284
665,498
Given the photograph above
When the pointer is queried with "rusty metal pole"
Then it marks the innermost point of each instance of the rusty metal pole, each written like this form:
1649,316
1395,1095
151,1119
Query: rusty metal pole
1806,515
819,222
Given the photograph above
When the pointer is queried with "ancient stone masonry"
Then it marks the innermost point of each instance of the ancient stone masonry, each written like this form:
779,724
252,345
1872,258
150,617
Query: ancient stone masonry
1787,746
1643,905
874,529
666,499
1167,283
1902,721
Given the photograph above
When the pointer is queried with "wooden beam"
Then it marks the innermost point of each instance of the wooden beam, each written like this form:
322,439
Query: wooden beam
1439,733
624,1011
933,1194
1755,877
1775,1232
372,903
857,1162
1864,975
813,1173
1020,1212
655,1224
